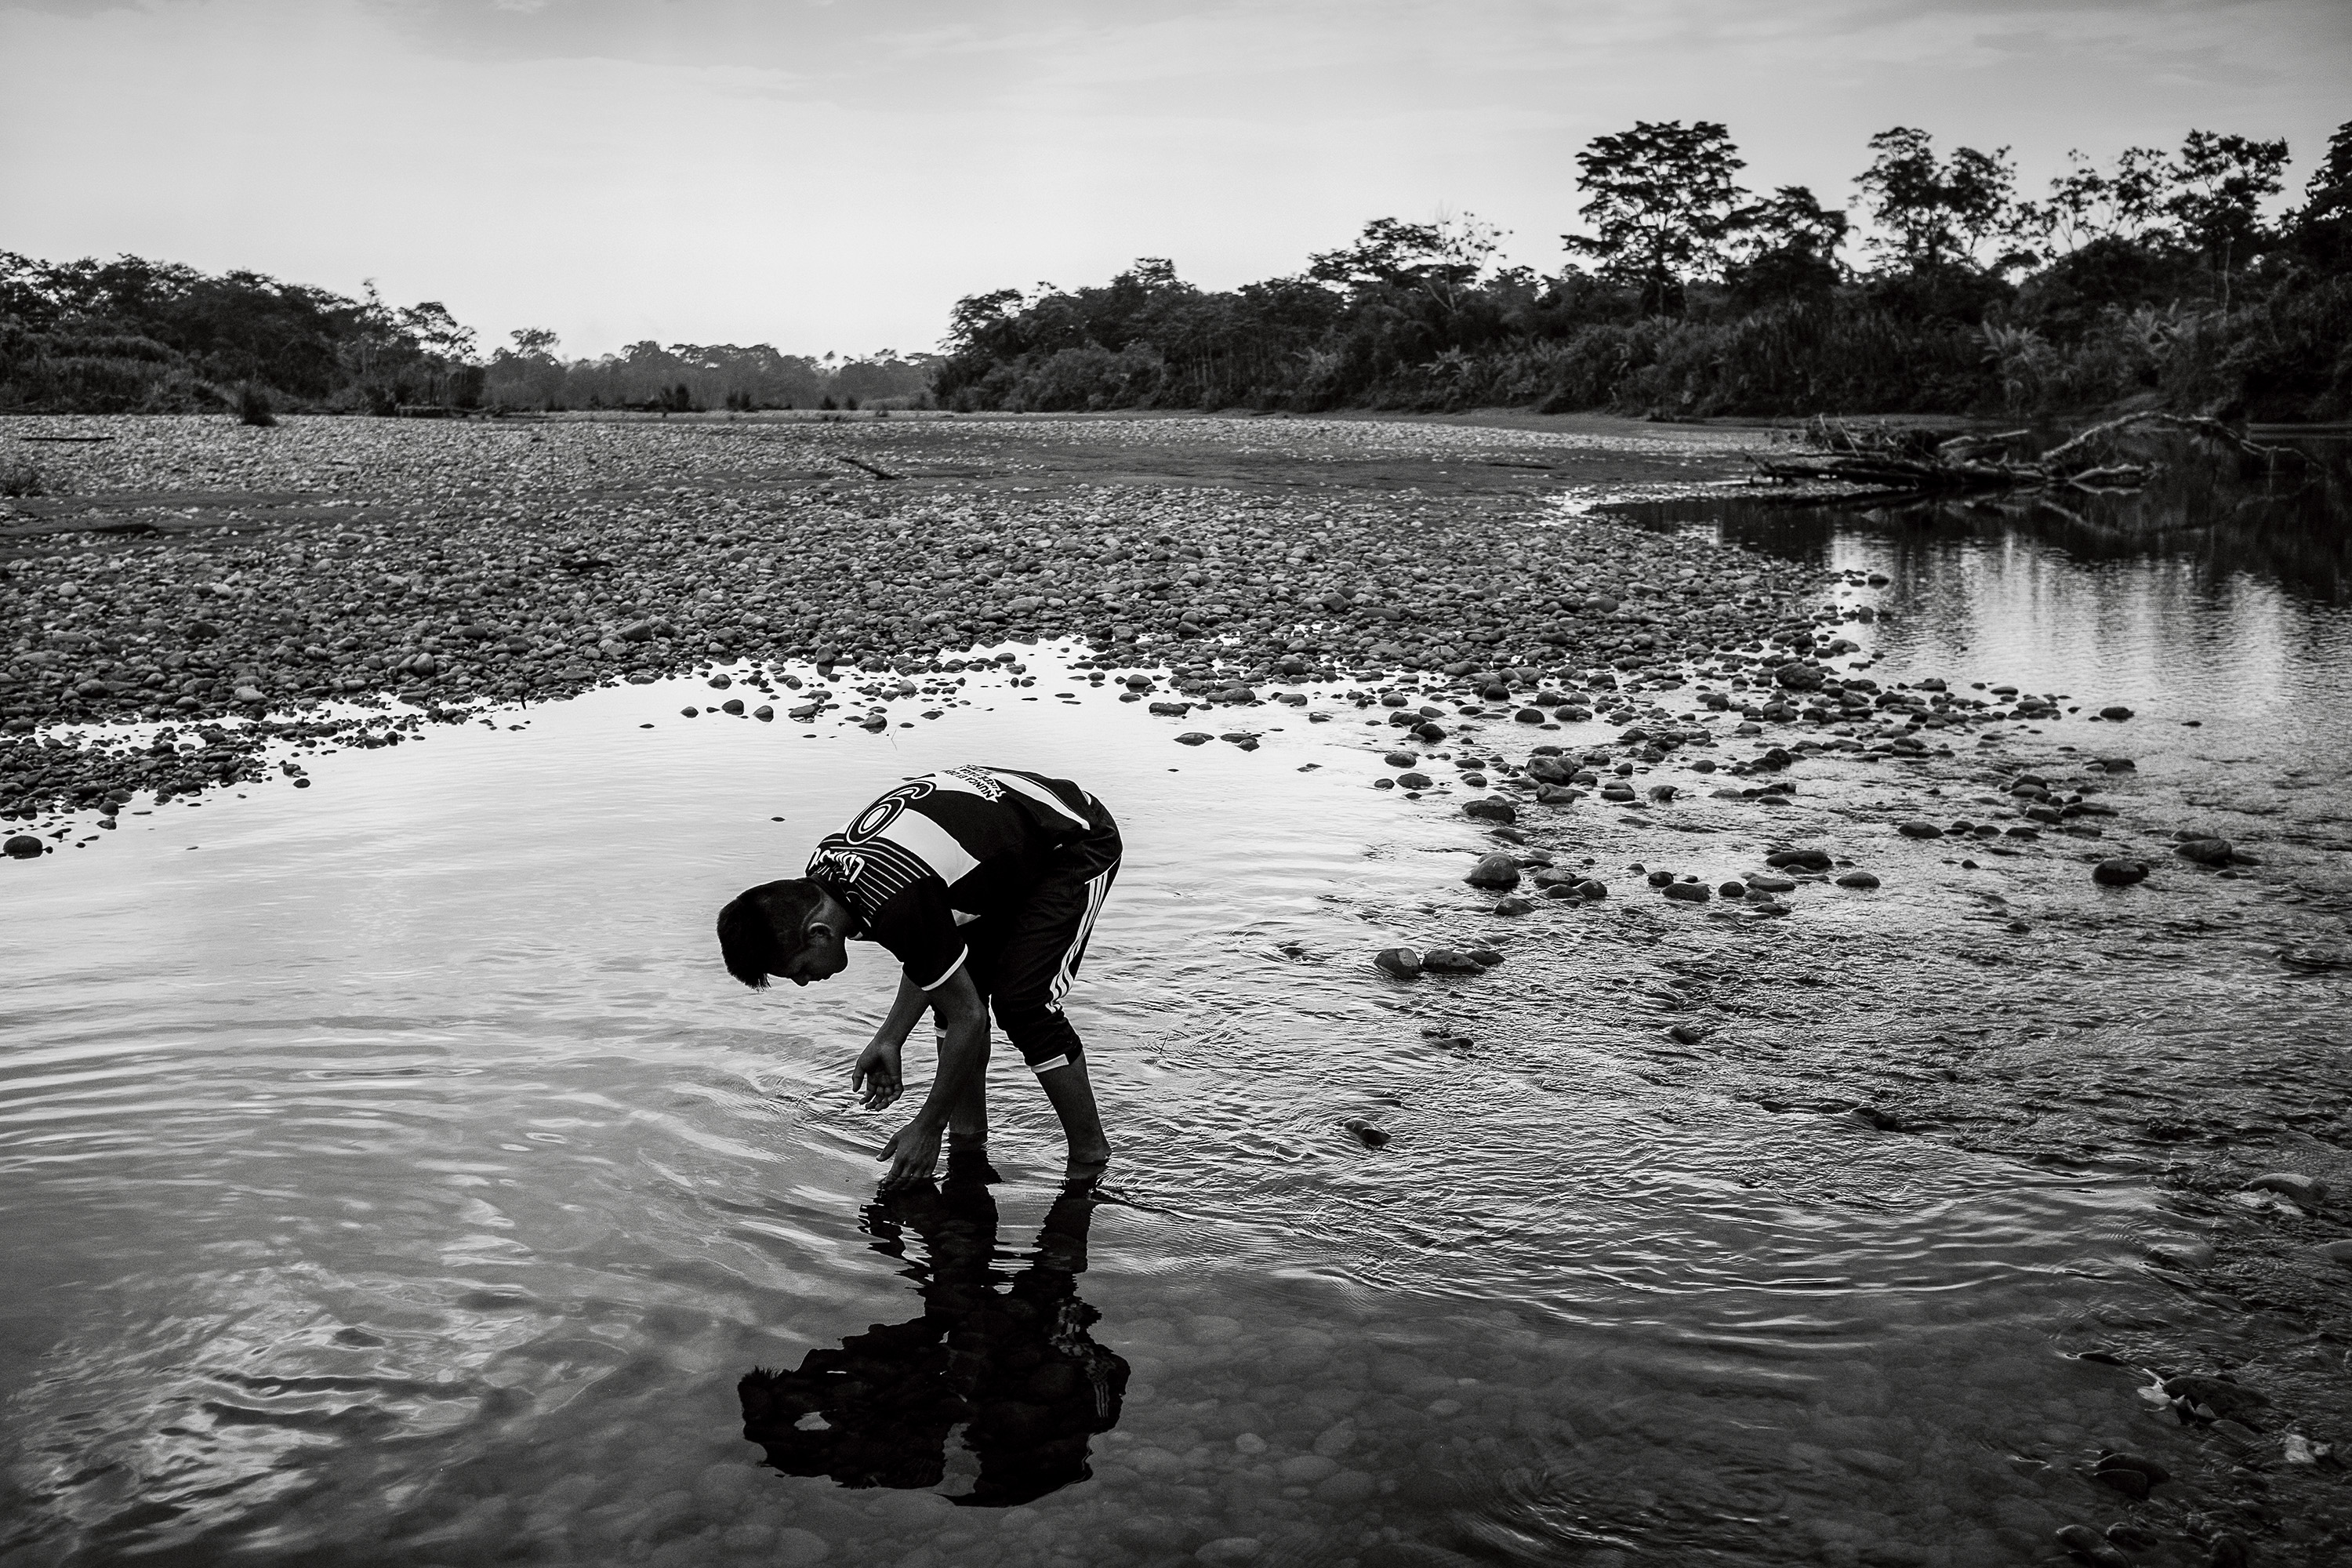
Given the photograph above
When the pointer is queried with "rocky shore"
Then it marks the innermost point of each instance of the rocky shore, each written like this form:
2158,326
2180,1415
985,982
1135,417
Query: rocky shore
341,567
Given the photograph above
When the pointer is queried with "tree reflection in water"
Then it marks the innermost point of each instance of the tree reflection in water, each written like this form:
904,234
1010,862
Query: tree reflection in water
1005,1357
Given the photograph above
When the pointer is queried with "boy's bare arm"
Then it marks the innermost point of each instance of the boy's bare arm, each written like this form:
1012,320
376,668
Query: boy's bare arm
963,1052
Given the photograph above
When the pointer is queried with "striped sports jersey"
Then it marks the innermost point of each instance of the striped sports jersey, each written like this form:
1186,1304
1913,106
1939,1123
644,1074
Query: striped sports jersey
946,850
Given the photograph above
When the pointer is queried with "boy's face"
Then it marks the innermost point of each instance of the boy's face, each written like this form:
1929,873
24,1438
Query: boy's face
822,956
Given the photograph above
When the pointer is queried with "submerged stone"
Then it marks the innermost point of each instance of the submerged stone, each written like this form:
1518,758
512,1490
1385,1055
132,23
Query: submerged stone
1497,870
2308,1191
2222,1398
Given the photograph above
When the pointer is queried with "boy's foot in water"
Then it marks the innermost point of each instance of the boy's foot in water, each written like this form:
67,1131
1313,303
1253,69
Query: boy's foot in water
968,1161
1085,1168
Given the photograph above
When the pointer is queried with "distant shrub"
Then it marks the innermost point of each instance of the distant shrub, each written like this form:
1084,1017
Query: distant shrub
253,407
20,478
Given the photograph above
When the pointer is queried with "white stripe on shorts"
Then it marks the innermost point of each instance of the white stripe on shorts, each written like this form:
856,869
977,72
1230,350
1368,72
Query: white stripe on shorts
1097,888
1048,1065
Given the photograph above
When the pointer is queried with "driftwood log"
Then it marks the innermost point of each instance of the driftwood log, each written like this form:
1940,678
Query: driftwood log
879,472
1918,462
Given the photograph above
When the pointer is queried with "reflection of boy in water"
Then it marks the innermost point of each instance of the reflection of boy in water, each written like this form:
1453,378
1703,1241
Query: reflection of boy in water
1016,1369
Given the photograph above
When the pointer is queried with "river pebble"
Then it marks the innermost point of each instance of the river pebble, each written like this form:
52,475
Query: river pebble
2204,851
2308,1191
1497,870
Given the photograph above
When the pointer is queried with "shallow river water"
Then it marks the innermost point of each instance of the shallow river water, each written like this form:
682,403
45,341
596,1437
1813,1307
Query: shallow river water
392,1175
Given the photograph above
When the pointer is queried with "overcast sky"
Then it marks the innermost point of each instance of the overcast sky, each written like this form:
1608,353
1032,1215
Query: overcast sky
834,176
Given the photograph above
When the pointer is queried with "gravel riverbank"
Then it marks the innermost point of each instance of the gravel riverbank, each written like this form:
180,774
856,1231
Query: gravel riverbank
238,588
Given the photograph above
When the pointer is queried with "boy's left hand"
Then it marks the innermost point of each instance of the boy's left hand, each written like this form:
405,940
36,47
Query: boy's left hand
876,1079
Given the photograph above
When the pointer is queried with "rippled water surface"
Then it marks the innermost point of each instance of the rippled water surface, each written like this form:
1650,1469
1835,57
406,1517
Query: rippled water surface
391,1173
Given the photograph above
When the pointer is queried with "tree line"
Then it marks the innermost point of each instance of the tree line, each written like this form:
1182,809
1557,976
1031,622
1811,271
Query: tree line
2183,278
131,335
2161,279
689,378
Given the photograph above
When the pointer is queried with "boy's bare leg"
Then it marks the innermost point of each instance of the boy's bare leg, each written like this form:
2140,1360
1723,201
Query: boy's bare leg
967,1131
1073,1096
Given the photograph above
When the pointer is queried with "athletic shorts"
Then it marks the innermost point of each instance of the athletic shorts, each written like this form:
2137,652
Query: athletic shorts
1023,963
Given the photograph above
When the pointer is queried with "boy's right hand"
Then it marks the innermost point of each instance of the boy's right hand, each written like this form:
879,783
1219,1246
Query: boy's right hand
874,1080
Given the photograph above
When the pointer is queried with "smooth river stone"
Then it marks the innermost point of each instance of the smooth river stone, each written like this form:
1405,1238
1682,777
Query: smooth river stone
1336,1438
1498,871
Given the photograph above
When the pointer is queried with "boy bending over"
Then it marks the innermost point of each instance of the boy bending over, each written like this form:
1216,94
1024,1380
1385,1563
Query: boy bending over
984,883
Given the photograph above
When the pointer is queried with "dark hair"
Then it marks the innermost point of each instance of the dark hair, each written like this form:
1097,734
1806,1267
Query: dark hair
762,928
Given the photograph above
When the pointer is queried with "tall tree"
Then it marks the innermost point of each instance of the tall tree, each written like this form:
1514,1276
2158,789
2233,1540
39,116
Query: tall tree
2219,184
2087,204
1663,205
1789,250
2323,225
2328,192
975,313
431,326
1932,213
1441,261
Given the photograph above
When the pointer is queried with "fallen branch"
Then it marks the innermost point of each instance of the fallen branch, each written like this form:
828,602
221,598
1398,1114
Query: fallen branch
1905,474
878,473
2113,476
2194,424
1916,462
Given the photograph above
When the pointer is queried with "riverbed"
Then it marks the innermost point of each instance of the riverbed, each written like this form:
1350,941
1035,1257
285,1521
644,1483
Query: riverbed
394,1176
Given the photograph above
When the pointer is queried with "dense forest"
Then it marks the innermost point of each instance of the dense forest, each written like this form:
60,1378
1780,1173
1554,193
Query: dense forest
2177,279
137,336
2189,279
